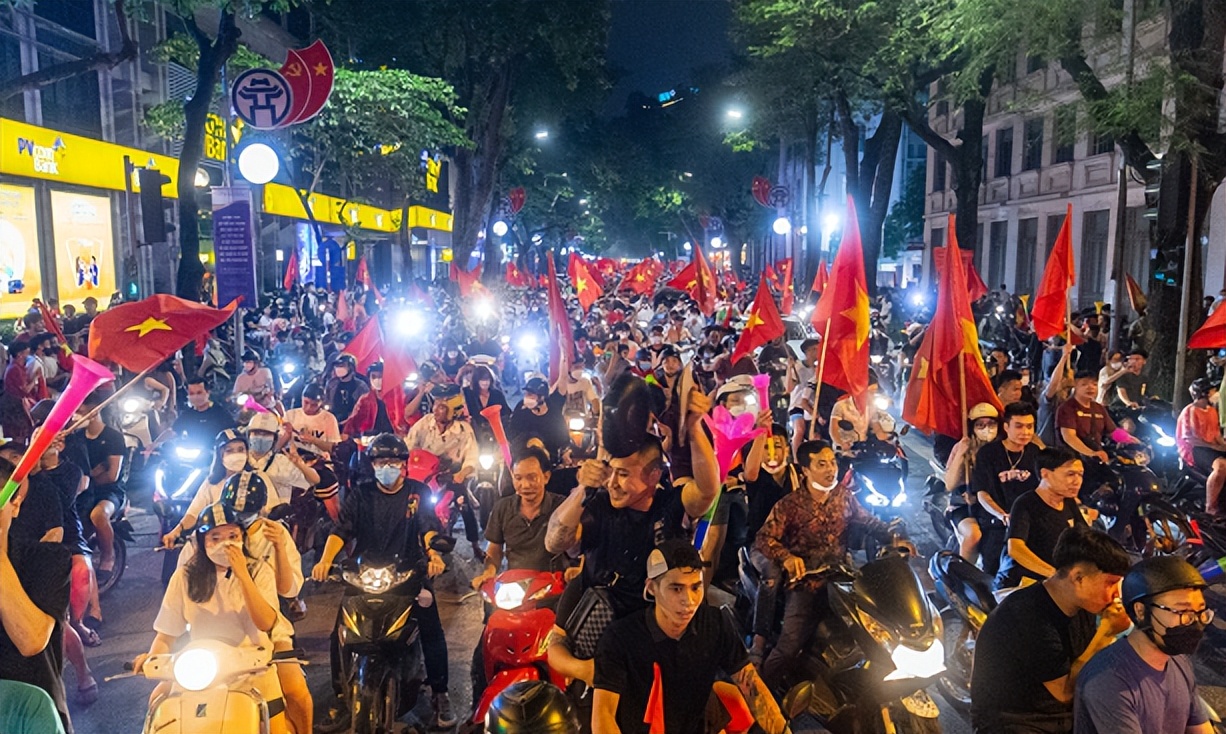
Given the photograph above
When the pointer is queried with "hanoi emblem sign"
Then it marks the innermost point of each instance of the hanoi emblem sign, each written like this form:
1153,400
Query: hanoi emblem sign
262,99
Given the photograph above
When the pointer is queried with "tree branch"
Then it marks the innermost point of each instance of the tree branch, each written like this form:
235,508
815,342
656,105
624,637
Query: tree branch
97,61
917,119
1136,150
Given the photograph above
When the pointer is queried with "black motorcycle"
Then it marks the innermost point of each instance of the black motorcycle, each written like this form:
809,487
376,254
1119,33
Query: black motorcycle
183,469
876,652
381,663
879,468
1153,424
1121,499
966,594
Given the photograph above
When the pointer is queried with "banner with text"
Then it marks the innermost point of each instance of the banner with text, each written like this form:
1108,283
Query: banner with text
234,245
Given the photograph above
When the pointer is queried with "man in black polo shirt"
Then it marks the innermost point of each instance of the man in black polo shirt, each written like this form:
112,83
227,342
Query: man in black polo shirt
1004,470
1032,647
688,642
1038,518
516,528
205,419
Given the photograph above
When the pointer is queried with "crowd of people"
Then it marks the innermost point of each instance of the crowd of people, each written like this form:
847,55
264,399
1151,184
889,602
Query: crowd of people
612,471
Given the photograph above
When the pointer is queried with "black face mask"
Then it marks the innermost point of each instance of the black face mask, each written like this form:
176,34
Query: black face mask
1179,640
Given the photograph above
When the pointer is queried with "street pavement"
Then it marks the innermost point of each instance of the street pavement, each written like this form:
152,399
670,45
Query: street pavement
129,610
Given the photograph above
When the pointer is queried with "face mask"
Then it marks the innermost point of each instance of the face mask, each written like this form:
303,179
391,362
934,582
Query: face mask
1117,365
198,401
217,554
234,462
529,401
260,444
1180,640
986,435
451,355
376,383
484,384
645,366
387,475
657,339
819,487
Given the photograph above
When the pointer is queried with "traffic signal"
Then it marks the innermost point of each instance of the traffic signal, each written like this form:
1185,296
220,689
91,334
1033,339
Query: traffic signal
152,204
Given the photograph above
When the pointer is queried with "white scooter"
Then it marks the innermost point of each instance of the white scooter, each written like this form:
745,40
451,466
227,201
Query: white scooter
213,689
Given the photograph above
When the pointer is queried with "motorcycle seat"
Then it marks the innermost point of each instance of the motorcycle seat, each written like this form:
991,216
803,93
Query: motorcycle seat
965,579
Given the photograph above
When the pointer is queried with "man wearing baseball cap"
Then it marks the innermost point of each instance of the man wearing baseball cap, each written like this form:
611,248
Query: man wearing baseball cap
665,659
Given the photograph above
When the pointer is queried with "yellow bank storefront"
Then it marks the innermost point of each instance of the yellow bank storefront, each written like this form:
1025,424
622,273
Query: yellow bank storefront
61,211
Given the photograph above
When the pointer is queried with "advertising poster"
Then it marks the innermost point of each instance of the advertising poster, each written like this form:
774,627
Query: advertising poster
84,247
20,280
234,246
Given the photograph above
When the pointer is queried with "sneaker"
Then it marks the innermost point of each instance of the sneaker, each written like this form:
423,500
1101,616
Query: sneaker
444,717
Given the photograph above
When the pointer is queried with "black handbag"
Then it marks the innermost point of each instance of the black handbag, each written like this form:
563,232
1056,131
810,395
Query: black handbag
588,622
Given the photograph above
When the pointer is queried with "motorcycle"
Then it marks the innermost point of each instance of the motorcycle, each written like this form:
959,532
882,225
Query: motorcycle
183,469
1119,502
583,440
137,428
876,652
1154,425
514,640
936,506
879,468
214,367
381,663
213,689
966,593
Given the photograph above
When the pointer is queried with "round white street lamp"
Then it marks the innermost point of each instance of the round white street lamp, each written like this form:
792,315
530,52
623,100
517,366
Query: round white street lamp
500,228
258,163
782,226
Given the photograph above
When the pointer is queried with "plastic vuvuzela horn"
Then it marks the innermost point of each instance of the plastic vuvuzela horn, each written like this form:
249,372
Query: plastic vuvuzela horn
493,414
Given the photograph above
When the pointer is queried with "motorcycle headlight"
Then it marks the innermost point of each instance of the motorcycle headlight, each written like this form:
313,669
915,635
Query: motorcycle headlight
159,482
875,358
1163,438
909,663
486,461
187,453
509,596
527,343
577,424
188,484
195,669
874,497
131,405
375,579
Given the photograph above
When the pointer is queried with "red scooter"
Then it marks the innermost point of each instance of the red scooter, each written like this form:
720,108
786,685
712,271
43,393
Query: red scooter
514,640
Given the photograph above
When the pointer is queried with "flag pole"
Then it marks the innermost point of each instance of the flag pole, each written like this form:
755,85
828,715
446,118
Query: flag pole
817,387
78,425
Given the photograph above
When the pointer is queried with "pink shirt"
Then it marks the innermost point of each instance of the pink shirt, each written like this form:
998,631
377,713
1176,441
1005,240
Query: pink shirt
1201,423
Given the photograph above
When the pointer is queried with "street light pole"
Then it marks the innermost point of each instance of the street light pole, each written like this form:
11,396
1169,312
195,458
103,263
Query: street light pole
1121,210
1185,298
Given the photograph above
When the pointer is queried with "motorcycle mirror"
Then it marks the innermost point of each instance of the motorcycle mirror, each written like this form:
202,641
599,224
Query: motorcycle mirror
905,430
442,543
847,425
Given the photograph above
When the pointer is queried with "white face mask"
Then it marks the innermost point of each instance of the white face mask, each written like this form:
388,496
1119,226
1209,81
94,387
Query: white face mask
821,488
234,462
529,401
986,435
217,554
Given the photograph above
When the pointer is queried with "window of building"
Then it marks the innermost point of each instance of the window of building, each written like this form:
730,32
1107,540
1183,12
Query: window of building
1032,156
936,237
943,108
1054,222
998,243
1101,143
75,15
1064,134
1006,72
1091,271
1004,152
938,174
72,105
1027,243
983,159
10,68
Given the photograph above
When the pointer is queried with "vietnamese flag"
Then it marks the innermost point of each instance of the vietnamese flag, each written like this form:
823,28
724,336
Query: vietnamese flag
1136,298
841,316
772,277
653,717
587,289
705,293
561,336
788,293
469,280
139,335
764,323
686,280
821,277
291,270
515,276
948,375
366,345
363,276
1050,312
343,314
1212,333
975,286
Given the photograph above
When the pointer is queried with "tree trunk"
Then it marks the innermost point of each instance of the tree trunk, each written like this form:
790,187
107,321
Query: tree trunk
213,56
870,178
476,168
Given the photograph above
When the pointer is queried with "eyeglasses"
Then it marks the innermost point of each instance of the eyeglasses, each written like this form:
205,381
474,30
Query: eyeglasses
1187,616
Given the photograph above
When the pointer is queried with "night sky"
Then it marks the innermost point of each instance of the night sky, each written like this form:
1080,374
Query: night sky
654,44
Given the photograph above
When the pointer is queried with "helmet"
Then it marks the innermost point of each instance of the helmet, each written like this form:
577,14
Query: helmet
1199,388
983,410
627,409
264,422
313,392
735,384
387,446
214,516
345,360
40,411
250,355
427,370
537,386
225,437
1158,575
531,707
247,493
449,395
374,369
670,351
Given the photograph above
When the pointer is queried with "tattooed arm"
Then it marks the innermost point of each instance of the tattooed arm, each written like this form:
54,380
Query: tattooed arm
760,701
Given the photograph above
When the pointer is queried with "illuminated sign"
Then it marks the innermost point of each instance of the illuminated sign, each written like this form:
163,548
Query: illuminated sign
84,246
37,152
284,201
20,280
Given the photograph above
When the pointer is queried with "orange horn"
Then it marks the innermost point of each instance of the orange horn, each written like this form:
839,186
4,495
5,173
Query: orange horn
493,414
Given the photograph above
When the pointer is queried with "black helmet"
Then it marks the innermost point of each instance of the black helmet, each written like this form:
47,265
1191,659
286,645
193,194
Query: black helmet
531,707
247,493
313,392
537,386
427,370
670,351
387,446
226,436
250,355
627,409
374,369
216,515
40,411
346,359
1199,388
1158,575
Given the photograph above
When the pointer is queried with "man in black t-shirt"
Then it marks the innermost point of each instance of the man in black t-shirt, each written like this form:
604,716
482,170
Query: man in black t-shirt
1038,518
1130,386
34,577
540,415
204,419
106,450
1004,470
684,642
1030,650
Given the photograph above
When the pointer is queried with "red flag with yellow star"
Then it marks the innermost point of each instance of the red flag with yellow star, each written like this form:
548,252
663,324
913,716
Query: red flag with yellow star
561,335
764,323
138,335
841,316
1050,312
586,283
786,292
949,355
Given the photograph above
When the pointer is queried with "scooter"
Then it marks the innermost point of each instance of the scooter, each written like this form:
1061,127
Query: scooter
876,652
1119,501
184,467
1154,425
514,640
381,663
213,689
966,593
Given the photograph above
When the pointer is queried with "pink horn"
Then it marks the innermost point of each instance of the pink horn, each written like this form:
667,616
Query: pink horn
493,414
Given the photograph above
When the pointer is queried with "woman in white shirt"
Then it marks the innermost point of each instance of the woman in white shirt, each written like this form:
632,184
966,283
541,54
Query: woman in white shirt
221,594
229,458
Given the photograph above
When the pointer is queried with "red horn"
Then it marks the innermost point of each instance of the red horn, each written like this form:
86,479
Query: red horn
493,414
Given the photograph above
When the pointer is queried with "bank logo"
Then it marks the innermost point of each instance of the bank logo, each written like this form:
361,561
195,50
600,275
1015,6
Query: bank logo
45,158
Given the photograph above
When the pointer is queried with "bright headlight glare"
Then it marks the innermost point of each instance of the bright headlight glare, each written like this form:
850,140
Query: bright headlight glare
909,663
289,368
875,358
187,453
1166,441
899,499
195,669
484,309
131,405
409,323
882,402
577,424
527,343
486,461
509,596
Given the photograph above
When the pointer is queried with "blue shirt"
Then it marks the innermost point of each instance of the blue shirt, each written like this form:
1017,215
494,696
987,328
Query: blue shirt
1119,693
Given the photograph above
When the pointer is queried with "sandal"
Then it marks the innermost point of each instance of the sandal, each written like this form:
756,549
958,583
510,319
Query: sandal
91,622
87,695
89,637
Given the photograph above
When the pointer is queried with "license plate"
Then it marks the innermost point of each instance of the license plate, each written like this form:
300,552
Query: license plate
921,704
